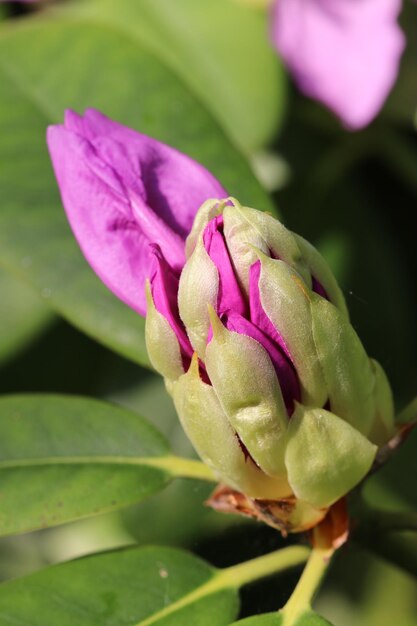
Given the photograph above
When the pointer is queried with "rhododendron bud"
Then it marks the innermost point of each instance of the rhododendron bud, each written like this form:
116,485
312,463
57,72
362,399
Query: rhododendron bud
244,320
269,378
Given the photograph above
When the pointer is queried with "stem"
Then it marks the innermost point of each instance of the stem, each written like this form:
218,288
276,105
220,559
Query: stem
175,465
234,577
182,467
252,570
409,414
302,596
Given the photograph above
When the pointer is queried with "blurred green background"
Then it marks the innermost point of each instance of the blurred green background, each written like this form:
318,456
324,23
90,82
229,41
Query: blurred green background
180,71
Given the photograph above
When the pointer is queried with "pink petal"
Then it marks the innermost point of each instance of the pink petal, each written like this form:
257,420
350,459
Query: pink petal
344,53
275,344
318,288
285,371
123,191
230,298
164,286
257,313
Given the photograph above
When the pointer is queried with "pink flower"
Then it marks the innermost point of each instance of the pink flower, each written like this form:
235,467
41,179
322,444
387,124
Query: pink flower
344,53
123,191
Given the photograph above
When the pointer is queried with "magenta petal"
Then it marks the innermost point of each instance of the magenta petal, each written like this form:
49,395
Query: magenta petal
230,298
284,369
318,288
257,313
164,286
344,53
123,191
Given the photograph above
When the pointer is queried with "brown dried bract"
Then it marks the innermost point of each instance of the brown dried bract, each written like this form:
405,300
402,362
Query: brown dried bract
279,514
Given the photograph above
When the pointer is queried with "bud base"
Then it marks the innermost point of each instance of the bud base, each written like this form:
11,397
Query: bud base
288,515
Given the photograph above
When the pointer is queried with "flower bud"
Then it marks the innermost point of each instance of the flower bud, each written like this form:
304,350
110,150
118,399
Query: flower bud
270,380
245,322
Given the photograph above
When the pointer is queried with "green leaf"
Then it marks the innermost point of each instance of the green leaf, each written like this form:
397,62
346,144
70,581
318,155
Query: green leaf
219,48
133,587
137,587
22,315
276,619
133,87
63,458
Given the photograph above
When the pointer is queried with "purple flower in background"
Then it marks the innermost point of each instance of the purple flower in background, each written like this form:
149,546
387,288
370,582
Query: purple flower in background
123,191
344,53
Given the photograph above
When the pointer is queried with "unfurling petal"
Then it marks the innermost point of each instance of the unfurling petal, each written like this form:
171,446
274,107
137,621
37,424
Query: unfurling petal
123,191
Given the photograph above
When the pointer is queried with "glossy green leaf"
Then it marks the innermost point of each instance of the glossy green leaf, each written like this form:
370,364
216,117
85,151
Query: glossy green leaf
23,315
93,66
133,587
63,458
219,48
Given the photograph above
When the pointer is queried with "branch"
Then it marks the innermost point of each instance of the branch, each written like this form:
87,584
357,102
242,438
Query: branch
302,596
